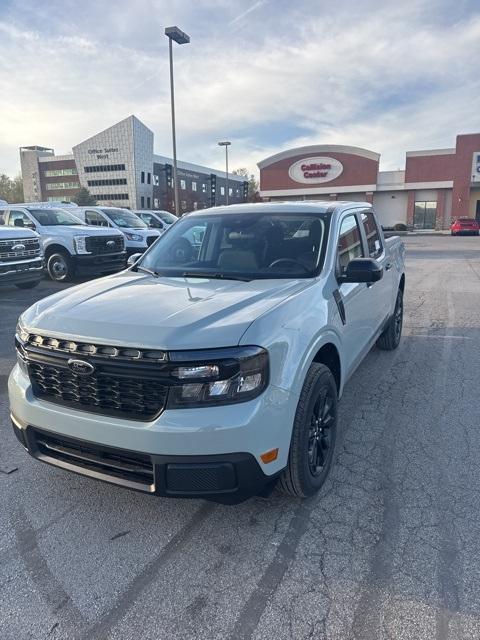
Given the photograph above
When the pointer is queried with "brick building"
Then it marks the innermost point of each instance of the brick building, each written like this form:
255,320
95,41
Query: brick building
435,187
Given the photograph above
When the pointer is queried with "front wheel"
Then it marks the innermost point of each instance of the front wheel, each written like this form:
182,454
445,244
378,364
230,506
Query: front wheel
313,436
27,285
59,267
390,338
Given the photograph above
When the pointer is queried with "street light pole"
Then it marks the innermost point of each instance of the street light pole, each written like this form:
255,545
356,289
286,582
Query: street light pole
174,33
226,144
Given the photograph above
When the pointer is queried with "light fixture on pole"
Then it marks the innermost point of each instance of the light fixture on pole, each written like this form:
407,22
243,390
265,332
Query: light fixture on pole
226,144
174,33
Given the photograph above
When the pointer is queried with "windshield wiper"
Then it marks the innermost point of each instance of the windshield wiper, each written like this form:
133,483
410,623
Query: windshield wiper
216,276
146,270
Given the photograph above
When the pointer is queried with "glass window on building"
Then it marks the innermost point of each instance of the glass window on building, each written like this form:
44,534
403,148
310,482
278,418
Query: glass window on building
222,191
425,215
183,204
194,186
149,178
51,186
195,205
148,201
155,202
142,202
60,172
230,191
142,177
183,184
204,187
156,180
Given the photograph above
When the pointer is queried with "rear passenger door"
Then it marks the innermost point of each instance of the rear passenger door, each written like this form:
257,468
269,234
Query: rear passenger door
380,291
355,297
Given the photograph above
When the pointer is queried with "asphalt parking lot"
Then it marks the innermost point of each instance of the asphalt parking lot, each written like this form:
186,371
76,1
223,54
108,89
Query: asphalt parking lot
388,549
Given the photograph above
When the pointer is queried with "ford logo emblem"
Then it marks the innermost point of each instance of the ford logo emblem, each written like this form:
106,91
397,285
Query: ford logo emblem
111,243
80,367
18,247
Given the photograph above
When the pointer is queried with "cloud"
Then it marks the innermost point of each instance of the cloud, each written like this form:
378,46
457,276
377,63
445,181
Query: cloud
387,77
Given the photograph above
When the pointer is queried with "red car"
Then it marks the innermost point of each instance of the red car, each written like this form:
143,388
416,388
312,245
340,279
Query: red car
465,226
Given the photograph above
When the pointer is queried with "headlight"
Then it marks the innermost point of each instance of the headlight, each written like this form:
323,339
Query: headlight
218,376
21,336
134,236
80,243
21,332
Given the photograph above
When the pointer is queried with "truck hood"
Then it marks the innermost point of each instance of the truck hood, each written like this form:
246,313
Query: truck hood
12,233
164,313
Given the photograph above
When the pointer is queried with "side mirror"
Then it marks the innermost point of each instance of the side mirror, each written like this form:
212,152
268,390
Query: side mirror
362,270
18,222
133,258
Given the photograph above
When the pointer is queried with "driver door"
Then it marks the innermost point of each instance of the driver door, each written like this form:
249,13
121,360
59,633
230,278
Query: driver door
355,296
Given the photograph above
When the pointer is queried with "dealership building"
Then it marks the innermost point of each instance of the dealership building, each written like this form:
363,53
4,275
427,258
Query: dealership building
435,186
119,167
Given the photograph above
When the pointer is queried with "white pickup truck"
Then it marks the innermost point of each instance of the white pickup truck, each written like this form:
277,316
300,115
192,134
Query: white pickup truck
213,371
21,258
70,246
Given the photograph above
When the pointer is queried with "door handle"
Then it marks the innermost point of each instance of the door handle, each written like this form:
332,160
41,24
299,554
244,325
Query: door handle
388,266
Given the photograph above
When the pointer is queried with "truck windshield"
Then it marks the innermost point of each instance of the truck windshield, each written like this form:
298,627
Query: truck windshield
124,218
243,246
165,216
54,217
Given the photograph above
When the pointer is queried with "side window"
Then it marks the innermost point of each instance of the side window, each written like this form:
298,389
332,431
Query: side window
375,248
349,242
95,219
19,219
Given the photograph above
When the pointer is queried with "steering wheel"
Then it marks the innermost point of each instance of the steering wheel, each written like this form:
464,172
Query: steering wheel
290,261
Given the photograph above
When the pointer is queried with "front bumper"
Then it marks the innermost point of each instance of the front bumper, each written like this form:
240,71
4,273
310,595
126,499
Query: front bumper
132,250
23,271
212,453
227,478
86,264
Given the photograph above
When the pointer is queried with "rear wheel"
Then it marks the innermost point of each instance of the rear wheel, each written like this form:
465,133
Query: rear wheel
27,285
60,267
390,338
313,436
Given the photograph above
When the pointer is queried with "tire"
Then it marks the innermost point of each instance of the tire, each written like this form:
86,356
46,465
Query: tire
390,338
27,285
60,267
313,437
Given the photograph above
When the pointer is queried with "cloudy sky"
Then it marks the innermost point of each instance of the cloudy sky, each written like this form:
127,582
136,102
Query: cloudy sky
267,74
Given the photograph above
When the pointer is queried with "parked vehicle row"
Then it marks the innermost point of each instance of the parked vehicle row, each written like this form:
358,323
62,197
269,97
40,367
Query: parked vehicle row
81,240
215,370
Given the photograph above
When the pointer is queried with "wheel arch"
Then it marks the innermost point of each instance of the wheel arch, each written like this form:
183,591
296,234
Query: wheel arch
401,286
329,356
55,248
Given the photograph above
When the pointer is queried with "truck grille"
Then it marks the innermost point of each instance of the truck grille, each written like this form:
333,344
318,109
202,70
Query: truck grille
31,249
151,240
98,245
125,382
121,395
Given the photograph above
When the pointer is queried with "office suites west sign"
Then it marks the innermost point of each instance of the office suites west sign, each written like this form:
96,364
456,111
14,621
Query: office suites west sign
315,170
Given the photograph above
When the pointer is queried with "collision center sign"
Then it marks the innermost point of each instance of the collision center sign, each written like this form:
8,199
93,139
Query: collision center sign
315,170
